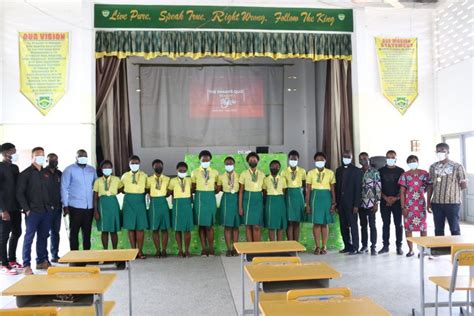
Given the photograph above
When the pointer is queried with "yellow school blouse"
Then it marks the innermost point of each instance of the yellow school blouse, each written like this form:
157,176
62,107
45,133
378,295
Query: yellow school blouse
320,180
176,185
250,185
197,177
158,186
113,185
294,179
224,180
140,182
269,185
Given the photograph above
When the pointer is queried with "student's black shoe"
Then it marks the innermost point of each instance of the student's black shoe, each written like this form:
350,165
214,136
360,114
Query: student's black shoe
410,254
55,260
364,249
120,265
399,251
383,250
234,253
353,253
345,250
228,253
373,252
164,254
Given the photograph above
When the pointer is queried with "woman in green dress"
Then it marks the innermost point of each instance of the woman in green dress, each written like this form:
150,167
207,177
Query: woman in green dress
320,201
228,183
274,187
106,205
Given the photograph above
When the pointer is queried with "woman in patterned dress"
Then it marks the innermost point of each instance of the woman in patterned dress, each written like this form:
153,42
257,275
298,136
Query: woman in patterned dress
414,184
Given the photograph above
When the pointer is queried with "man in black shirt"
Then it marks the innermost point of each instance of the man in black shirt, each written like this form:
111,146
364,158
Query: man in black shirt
10,221
54,189
33,196
348,194
390,203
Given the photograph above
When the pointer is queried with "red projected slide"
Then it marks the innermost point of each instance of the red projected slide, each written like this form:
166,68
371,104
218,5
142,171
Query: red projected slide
230,97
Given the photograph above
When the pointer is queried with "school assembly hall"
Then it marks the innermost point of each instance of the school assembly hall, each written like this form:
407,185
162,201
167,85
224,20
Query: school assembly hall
240,157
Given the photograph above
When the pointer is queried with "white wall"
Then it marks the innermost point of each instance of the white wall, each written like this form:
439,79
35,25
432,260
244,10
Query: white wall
70,124
378,124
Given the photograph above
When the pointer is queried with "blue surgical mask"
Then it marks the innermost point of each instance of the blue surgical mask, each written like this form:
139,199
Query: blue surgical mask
107,171
134,167
320,164
14,157
229,168
391,162
182,175
82,160
413,165
39,160
346,161
205,164
293,163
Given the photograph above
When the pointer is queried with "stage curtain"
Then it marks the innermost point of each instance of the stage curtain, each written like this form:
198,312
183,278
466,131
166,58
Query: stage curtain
113,133
338,124
198,44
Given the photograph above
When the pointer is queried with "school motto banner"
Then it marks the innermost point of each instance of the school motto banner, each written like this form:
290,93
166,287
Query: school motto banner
43,67
221,17
398,70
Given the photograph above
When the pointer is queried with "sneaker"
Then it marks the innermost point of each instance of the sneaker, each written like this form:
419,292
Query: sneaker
7,270
373,252
15,265
204,253
383,250
27,271
353,253
345,250
364,249
43,265
399,251
410,254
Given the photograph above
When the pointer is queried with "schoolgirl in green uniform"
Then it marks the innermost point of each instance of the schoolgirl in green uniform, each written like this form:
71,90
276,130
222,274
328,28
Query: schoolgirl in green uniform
106,205
251,198
295,202
182,213
274,186
134,205
228,183
159,211
320,201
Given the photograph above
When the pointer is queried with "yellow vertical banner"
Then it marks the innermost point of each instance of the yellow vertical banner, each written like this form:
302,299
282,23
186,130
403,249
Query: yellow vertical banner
398,70
43,67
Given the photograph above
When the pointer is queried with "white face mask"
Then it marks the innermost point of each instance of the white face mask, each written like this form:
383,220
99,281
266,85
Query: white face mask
14,157
205,164
391,162
39,160
182,175
320,164
441,156
82,160
346,161
107,171
229,168
134,167
293,163
413,165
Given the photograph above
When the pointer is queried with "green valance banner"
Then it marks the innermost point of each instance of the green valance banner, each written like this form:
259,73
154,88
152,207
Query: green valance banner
235,45
221,17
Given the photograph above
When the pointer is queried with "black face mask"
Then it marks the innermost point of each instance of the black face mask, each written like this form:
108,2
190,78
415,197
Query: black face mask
253,164
364,162
159,170
53,164
274,171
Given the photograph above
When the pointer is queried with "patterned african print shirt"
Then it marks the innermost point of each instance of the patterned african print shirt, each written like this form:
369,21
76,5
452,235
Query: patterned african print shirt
371,188
446,179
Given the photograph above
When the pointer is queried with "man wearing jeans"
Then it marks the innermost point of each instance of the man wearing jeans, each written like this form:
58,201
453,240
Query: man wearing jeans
76,195
32,194
444,197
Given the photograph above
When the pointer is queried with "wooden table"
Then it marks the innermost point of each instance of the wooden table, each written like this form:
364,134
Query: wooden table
263,248
113,255
57,311
351,306
286,272
426,245
62,284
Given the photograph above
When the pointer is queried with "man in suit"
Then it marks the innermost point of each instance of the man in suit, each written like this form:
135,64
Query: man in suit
348,195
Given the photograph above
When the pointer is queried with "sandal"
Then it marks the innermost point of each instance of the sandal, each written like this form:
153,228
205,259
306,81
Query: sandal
180,254
317,251
164,254
324,251
186,254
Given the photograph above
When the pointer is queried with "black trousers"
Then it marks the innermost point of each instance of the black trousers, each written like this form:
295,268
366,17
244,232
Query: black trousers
80,219
349,228
10,232
367,218
387,212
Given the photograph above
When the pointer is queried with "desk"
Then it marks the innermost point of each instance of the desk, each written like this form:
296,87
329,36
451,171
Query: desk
263,247
56,311
57,284
426,244
115,255
351,306
294,272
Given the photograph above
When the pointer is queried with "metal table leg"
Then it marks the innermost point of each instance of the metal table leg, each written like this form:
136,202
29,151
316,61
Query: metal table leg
129,266
242,256
99,304
255,301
